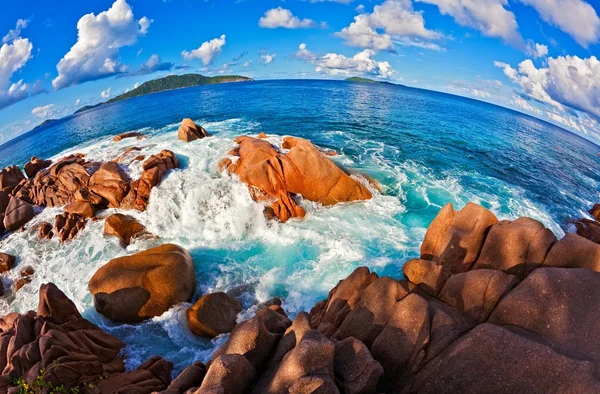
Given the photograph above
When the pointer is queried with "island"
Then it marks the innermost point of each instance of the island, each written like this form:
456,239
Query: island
170,82
360,79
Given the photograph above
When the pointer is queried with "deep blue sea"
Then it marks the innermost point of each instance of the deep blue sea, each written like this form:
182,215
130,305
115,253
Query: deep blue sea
426,149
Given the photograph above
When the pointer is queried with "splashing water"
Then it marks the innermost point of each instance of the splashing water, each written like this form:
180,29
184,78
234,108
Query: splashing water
235,249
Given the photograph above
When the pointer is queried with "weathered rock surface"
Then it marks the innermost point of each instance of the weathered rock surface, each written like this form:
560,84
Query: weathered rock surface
72,352
124,227
7,261
213,314
189,131
68,225
129,134
155,168
111,183
10,177
134,288
276,177
17,214
83,209
33,166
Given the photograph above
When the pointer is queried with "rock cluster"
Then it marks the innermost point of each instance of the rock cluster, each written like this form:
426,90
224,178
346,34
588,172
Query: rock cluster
57,347
277,177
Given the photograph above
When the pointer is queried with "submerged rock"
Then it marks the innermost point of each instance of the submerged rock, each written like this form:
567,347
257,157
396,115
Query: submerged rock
124,227
190,131
129,134
134,288
278,177
213,314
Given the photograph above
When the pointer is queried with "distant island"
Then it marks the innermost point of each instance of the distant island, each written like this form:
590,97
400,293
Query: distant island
360,79
169,83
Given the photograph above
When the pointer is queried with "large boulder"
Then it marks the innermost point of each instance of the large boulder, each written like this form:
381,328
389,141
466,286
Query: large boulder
303,170
83,209
355,368
429,275
129,134
124,227
17,214
134,288
574,251
10,177
588,228
455,238
68,225
213,314
516,247
228,374
111,183
189,131
33,166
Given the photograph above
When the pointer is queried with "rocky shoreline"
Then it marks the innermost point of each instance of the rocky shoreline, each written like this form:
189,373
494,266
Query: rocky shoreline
489,306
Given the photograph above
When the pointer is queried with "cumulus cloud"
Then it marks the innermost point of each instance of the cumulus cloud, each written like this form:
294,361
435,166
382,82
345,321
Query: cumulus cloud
42,111
13,56
207,52
95,55
281,17
566,81
398,23
575,17
267,58
536,50
15,33
335,64
490,17
105,93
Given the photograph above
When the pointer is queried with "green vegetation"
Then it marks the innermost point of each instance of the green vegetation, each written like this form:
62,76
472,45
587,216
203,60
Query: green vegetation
40,385
359,79
169,83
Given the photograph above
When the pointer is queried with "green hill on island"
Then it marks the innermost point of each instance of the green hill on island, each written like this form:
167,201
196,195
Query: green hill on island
169,83
360,79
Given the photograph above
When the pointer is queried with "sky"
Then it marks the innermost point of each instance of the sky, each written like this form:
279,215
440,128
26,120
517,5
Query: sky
535,56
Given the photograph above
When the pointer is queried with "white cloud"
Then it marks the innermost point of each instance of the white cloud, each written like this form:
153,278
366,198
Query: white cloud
105,93
399,22
335,64
575,17
207,52
524,104
281,17
488,16
96,53
247,64
360,8
536,50
267,58
42,111
13,56
15,33
566,81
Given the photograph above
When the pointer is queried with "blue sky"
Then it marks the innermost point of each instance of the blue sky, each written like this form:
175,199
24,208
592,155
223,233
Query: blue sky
535,56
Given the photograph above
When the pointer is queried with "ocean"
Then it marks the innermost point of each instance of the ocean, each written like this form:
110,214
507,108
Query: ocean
425,149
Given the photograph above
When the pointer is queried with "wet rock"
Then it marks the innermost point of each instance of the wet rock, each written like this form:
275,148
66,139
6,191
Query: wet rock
589,229
68,225
134,288
34,165
83,209
155,168
124,227
111,183
45,231
19,283
278,177
7,261
17,214
85,195
130,155
151,376
595,211
516,247
189,131
10,177
213,314
355,368
262,136
228,374
129,134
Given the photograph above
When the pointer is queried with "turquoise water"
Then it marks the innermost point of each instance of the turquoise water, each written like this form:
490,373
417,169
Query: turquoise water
425,148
